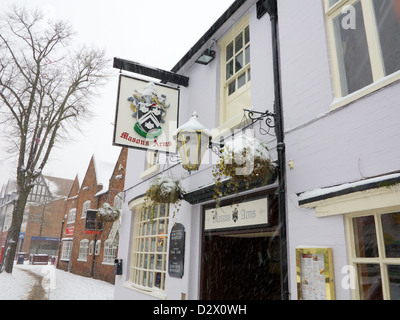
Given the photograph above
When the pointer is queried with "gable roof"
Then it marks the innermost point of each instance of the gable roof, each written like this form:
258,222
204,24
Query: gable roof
58,187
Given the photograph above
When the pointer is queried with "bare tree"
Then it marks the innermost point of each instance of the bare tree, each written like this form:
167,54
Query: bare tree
45,87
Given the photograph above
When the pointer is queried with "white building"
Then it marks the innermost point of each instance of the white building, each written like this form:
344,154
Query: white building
339,67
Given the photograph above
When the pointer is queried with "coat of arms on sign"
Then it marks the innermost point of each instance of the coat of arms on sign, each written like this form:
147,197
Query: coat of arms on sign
149,109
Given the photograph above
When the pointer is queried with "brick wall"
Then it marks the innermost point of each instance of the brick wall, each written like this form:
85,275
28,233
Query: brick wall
89,190
53,216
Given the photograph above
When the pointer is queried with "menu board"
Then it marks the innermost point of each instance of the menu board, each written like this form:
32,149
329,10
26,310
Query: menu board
315,274
176,251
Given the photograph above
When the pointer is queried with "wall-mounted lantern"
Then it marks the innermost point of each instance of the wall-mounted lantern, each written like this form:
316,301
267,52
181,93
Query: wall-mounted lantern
192,140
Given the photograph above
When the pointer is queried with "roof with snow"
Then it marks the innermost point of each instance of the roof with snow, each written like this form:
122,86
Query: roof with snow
59,187
104,171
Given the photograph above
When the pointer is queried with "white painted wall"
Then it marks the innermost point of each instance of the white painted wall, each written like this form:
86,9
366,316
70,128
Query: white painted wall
327,147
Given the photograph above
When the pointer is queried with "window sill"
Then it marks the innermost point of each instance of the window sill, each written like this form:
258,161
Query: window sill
377,85
157,293
150,171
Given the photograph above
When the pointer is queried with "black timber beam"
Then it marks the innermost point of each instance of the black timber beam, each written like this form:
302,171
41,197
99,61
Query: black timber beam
156,73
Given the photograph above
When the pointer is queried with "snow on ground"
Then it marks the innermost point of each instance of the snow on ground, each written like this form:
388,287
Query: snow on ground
58,284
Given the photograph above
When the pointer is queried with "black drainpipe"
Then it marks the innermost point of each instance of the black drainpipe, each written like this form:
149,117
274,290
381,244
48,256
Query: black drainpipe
271,8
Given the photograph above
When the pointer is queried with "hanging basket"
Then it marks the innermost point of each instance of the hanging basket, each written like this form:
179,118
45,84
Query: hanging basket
165,190
245,161
245,158
108,214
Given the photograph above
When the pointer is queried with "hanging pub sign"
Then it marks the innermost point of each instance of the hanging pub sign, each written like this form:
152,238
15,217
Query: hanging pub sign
146,115
92,225
176,251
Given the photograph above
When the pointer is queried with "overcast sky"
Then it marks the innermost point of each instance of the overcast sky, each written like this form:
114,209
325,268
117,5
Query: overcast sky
153,32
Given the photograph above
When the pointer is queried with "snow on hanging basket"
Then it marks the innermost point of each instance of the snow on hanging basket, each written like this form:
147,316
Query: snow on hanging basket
107,213
165,190
244,159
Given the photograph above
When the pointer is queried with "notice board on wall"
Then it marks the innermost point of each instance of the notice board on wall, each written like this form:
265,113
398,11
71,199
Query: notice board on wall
315,280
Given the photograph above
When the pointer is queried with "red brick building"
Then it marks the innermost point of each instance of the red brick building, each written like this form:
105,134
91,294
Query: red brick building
42,223
88,253
43,214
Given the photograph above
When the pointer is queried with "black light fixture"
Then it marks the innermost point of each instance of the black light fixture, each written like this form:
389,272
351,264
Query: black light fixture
206,57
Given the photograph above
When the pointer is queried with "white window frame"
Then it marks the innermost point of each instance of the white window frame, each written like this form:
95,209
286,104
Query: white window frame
381,260
91,247
86,205
110,252
97,247
71,216
152,165
83,250
66,249
149,250
377,66
242,95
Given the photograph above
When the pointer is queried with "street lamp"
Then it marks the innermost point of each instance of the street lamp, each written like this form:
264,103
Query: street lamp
192,140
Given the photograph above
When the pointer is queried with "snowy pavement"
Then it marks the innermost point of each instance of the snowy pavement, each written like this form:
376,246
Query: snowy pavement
57,284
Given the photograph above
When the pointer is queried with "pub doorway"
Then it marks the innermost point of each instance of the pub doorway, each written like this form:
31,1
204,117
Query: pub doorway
242,263
241,267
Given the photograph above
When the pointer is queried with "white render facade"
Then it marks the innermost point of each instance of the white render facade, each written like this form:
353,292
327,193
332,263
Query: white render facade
342,157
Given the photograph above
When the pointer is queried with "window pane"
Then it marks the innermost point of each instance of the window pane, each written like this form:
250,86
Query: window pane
352,52
365,237
391,234
246,35
242,80
239,42
369,276
332,2
239,62
229,51
231,88
229,70
388,24
158,280
394,281
159,262
247,56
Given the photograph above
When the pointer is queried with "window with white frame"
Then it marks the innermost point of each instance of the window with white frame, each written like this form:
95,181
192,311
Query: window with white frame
149,249
66,250
110,251
71,216
91,247
235,72
85,207
375,254
97,247
364,42
83,250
